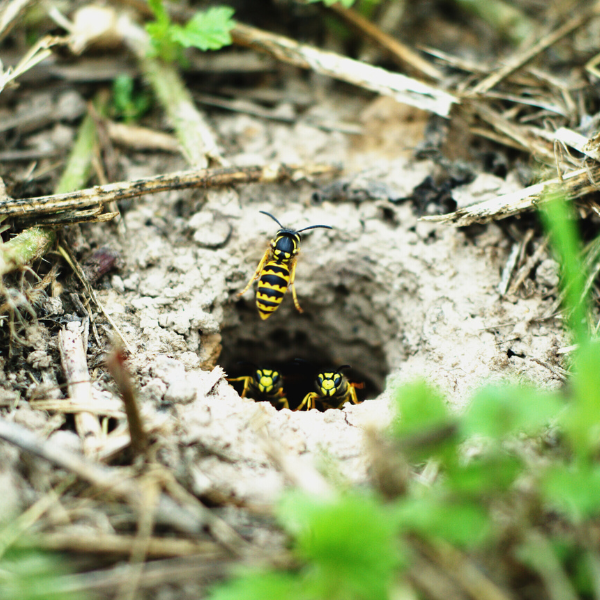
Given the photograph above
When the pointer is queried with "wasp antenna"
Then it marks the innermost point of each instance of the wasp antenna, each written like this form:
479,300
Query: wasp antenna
315,227
343,367
272,217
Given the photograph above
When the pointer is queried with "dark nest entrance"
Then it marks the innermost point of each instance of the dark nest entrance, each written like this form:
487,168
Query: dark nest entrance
301,345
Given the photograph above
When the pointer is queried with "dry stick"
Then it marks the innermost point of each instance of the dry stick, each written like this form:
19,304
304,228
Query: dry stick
74,363
102,543
170,570
531,262
523,58
139,551
589,147
575,184
461,569
403,89
106,407
141,138
399,51
197,178
189,518
14,531
118,370
10,12
521,134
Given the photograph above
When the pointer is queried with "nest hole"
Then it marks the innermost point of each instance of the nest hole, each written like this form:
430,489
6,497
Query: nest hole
299,346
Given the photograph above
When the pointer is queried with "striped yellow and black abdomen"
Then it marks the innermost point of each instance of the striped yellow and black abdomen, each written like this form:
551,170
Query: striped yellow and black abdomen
272,286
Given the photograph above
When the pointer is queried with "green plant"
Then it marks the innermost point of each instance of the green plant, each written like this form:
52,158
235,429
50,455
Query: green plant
207,30
34,575
129,104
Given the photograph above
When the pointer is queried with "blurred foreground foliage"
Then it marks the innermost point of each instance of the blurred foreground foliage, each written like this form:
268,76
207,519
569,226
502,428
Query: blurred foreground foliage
501,501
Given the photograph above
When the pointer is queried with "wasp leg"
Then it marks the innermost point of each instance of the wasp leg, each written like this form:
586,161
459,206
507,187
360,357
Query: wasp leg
352,391
284,401
292,285
258,271
246,379
309,400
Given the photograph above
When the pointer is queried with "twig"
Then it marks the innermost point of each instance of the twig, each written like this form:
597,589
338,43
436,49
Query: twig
170,570
251,108
575,184
102,543
460,567
531,262
399,51
10,12
509,267
523,58
559,372
73,359
127,590
107,408
186,518
589,147
141,138
36,54
203,178
14,531
521,134
116,366
401,88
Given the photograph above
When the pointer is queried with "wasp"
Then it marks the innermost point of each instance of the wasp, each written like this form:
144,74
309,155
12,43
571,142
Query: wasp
276,271
264,385
333,390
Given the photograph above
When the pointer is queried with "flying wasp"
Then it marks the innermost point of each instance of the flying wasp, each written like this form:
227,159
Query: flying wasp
277,269
333,390
264,385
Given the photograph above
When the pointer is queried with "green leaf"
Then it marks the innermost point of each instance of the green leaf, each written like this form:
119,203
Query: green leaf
160,14
207,30
493,474
498,411
126,103
582,419
559,218
574,490
349,543
422,418
266,585
419,406
24,573
463,523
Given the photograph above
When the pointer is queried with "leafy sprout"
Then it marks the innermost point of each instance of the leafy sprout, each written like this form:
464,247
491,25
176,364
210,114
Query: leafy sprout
207,30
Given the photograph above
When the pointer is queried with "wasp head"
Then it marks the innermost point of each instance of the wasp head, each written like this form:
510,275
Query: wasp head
267,380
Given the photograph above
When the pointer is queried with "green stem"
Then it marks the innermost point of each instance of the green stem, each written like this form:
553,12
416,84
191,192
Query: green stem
25,248
196,139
